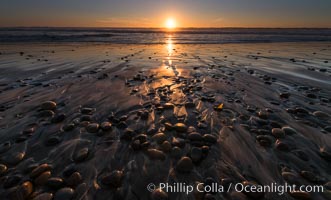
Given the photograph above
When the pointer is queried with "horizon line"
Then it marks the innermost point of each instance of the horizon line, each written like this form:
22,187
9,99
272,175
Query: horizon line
128,27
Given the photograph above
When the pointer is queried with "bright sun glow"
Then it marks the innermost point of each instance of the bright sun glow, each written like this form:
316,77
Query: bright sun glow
171,23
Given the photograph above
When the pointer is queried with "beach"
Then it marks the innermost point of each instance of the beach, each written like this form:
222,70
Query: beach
103,121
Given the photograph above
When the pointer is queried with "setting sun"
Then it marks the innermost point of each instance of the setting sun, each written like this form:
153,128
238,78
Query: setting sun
170,23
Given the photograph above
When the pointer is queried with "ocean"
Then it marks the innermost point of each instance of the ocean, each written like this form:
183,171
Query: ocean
162,36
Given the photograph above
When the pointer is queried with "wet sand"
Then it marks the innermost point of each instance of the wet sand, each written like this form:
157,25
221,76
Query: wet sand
90,121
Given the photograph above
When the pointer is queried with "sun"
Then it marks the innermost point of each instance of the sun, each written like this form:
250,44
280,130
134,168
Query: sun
170,23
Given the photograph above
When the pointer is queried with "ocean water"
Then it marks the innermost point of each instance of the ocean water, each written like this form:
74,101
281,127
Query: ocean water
161,36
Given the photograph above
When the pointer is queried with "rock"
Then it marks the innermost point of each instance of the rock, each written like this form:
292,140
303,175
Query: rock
210,138
262,115
3,169
321,115
92,128
25,190
159,194
69,127
180,127
44,196
59,117
66,193
46,113
291,178
282,146
87,111
309,176
43,178
74,179
13,158
114,179
284,95
311,95
11,181
325,154
106,126
55,182
54,140
191,129
48,105
122,125
176,152
5,147
81,155
289,131
40,169
264,140
166,146
327,128
194,136
155,154
300,195
168,126
184,165
278,133
86,118
127,134
196,154
168,106
159,138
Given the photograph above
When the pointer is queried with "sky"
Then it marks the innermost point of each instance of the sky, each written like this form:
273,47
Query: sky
154,13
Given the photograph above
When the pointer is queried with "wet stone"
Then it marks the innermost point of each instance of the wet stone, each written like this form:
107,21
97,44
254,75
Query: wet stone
264,140
209,138
81,191
196,154
55,182
5,147
159,137
289,131
155,154
122,125
46,113
54,140
48,105
74,179
42,178
64,194
69,127
168,106
106,126
159,194
326,155
44,196
291,178
166,146
59,117
184,165
3,169
281,145
176,152
180,127
321,115
284,95
92,128
114,179
12,181
87,118
14,158
81,155
309,176
87,111
168,126
39,170
278,133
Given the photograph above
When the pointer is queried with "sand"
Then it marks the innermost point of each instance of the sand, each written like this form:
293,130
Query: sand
124,116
